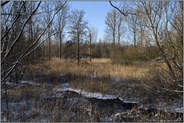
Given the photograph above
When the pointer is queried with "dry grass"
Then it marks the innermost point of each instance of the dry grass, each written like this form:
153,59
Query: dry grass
101,60
101,75
93,85
98,67
97,76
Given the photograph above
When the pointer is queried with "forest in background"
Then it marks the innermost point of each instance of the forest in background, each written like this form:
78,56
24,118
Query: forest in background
45,37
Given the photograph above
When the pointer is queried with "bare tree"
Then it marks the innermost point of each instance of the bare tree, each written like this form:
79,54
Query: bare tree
163,21
61,24
119,22
114,27
32,31
160,15
133,28
8,65
47,17
77,29
111,22
92,38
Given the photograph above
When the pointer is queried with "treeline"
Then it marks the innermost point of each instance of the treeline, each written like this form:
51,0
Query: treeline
124,53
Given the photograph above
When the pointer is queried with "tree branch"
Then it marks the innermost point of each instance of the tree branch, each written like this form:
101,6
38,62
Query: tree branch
20,33
18,15
124,13
4,3
27,52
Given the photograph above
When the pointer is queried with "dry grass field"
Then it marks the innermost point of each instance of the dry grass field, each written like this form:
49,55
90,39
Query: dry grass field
97,67
135,82
101,75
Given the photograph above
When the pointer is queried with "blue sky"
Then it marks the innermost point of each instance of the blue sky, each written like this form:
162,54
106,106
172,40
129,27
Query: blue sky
95,13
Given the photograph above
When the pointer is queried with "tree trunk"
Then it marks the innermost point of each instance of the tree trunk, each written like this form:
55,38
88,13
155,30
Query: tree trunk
113,44
135,45
49,43
90,47
60,45
78,49
119,35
